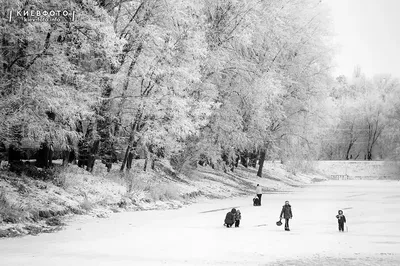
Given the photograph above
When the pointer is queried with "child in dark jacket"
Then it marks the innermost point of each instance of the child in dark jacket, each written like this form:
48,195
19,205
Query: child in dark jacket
238,217
341,220
230,218
286,213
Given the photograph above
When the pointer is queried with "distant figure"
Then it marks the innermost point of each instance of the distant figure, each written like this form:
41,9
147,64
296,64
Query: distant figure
341,220
230,218
256,201
259,193
287,214
238,217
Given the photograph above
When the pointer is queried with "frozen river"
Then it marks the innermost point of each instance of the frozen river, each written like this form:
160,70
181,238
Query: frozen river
194,235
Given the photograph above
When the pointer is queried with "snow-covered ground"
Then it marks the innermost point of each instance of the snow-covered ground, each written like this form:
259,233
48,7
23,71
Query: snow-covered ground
194,235
27,205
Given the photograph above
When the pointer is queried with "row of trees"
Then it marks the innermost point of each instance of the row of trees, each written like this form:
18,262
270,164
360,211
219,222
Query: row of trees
365,125
216,81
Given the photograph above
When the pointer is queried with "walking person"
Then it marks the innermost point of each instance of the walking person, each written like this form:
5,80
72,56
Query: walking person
259,193
341,220
286,214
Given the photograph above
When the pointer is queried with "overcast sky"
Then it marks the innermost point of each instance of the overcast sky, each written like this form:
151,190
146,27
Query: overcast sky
368,32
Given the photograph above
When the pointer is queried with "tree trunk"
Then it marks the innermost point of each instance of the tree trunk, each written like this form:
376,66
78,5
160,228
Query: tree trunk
146,161
128,149
253,159
369,156
244,160
45,155
348,150
134,126
92,155
261,162
66,154
51,153
105,123
42,159
145,164
129,161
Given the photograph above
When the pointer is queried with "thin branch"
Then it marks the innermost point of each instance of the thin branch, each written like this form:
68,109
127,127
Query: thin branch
46,46
132,18
117,16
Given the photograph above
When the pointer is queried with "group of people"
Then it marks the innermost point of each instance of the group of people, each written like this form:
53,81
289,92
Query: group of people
234,216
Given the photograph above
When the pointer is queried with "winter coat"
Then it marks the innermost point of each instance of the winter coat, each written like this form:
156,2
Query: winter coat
238,216
341,218
230,218
286,212
258,190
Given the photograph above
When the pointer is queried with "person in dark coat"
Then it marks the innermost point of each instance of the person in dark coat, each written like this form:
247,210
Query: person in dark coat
341,220
286,213
259,193
230,218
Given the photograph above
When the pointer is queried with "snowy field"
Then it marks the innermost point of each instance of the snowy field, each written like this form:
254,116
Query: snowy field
194,235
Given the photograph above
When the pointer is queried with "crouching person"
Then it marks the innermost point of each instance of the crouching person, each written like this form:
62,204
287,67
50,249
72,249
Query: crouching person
230,218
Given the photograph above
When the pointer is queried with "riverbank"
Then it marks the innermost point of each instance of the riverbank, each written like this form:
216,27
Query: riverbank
31,207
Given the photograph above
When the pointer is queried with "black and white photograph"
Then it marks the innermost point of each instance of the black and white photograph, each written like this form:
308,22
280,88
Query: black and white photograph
199,132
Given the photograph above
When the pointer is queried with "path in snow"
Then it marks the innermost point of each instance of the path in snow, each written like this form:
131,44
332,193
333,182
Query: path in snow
194,235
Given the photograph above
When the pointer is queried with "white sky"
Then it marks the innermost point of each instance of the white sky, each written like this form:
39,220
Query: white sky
368,32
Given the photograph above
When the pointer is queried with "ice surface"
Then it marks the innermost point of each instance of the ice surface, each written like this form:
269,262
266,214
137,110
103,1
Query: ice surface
194,235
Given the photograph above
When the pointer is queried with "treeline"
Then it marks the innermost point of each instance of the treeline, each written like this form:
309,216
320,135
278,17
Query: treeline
364,122
216,82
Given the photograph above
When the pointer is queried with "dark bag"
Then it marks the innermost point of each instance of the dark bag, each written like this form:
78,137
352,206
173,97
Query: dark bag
279,223
256,201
